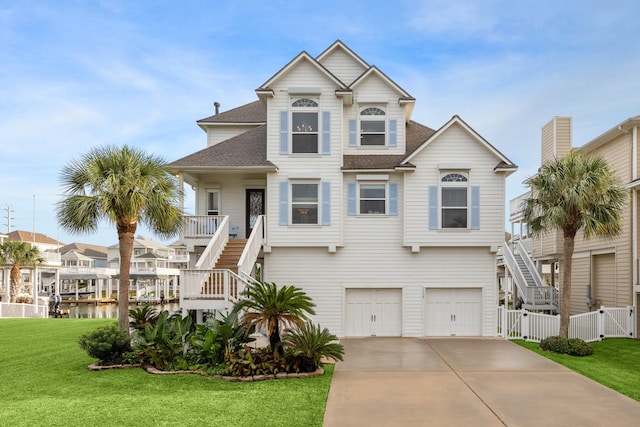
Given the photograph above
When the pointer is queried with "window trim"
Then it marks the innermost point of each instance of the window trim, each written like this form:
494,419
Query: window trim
360,199
318,202
363,118
209,192
314,109
454,180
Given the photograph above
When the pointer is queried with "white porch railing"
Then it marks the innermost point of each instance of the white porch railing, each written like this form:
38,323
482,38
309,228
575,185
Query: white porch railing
203,225
8,309
516,206
592,326
210,285
252,248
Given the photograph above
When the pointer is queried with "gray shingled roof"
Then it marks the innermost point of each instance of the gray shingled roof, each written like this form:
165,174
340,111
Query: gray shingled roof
416,135
254,112
249,149
246,149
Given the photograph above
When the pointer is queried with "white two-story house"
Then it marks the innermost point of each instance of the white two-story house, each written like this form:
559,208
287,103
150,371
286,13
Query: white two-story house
390,226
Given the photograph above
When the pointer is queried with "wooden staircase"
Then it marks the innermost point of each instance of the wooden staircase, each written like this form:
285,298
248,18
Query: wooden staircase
231,255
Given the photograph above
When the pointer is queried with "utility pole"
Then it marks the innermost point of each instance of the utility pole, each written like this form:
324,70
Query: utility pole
8,217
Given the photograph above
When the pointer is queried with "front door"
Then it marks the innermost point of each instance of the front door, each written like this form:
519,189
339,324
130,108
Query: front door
254,208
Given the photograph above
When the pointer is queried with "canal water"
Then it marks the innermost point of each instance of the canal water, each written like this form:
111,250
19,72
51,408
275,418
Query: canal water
108,311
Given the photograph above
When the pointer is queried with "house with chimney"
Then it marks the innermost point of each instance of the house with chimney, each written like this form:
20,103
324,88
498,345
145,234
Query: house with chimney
327,183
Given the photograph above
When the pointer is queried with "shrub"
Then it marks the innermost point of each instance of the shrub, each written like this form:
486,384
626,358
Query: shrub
570,346
108,344
165,344
140,317
311,344
578,347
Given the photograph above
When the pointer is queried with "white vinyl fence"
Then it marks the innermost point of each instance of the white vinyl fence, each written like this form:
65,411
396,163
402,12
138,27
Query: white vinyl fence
592,326
23,310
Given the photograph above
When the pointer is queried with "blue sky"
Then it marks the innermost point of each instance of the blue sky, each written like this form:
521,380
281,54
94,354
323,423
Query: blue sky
80,74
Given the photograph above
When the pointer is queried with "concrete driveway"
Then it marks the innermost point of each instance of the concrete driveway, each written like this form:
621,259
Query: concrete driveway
465,382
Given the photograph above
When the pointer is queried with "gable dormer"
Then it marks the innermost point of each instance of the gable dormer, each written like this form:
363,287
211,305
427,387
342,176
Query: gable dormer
342,62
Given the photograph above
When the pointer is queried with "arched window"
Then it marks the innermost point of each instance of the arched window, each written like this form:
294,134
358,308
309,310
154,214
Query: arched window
455,202
304,126
372,126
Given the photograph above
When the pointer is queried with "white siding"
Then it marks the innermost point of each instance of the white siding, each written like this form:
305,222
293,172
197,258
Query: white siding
216,134
325,276
343,66
311,166
449,149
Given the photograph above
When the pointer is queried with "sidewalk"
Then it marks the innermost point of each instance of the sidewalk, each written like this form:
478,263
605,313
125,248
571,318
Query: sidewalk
465,382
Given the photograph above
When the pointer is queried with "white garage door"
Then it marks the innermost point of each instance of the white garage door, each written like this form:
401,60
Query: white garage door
453,312
373,312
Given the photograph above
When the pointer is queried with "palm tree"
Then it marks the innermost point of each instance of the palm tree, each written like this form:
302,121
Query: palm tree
273,308
123,186
18,254
576,192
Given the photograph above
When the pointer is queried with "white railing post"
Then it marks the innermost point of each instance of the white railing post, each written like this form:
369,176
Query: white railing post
601,322
631,323
524,325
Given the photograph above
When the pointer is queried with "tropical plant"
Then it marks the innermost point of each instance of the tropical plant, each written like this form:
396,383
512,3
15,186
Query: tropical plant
140,317
272,308
123,186
164,345
18,254
576,192
312,344
216,338
108,344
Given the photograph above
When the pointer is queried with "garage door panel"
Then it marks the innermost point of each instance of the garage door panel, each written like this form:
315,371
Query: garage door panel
453,312
373,312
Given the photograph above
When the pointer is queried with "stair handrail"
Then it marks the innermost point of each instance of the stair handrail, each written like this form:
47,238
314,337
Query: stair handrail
514,269
526,257
215,246
252,247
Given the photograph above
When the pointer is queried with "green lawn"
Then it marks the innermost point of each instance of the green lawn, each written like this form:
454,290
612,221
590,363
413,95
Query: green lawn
614,363
44,381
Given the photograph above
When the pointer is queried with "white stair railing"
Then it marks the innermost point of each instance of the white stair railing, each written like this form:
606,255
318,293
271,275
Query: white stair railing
215,246
252,248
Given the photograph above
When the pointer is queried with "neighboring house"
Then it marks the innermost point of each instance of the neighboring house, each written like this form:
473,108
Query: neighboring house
154,269
45,273
390,226
85,271
605,270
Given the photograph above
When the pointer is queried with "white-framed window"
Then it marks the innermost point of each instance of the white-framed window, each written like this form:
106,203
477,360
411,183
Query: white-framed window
454,193
373,126
304,203
304,126
213,202
372,197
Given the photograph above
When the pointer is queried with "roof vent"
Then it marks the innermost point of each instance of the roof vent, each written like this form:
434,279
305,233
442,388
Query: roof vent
217,105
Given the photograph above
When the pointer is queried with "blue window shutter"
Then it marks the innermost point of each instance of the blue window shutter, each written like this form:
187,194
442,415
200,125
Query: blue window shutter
326,203
353,133
284,132
475,207
393,133
351,198
326,132
433,207
283,218
393,199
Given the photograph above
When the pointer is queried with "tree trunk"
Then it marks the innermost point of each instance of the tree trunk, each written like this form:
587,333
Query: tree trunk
565,294
14,282
274,339
126,234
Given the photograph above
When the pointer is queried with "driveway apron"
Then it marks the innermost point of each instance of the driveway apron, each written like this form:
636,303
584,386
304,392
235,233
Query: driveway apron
465,382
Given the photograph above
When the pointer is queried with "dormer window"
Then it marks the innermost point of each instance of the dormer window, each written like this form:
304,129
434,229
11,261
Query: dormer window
373,126
304,126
